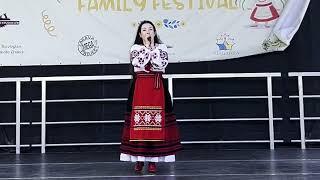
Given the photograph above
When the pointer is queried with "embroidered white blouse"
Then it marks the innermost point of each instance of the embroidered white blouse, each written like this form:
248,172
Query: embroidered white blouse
140,56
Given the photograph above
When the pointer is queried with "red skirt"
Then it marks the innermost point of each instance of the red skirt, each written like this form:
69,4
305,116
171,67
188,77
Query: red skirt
264,13
147,137
147,116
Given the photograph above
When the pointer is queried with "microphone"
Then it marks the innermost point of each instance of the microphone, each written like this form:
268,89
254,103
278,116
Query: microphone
149,39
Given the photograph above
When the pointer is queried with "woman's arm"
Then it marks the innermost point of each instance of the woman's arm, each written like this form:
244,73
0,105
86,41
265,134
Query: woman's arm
159,58
139,56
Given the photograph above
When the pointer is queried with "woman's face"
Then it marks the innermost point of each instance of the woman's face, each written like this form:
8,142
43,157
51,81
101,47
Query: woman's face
147,31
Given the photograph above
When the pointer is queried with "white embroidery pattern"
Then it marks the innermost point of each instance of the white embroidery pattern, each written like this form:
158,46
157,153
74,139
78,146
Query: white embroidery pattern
158,118
148,117
136,118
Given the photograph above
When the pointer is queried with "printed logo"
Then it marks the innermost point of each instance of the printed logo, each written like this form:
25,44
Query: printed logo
4,21
88,46
225,43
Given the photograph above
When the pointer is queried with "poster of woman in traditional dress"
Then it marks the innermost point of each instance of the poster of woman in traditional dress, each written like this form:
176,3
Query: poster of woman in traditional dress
263,12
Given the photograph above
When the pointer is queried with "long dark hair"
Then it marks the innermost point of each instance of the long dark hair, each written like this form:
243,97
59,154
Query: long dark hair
139,40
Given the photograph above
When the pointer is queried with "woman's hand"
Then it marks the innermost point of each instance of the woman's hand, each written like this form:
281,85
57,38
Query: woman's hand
148,41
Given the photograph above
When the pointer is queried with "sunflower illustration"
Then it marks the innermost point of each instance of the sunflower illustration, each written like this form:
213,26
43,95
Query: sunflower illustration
158,24
182,23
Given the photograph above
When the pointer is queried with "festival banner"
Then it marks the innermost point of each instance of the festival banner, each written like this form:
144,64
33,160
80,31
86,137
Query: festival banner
70,32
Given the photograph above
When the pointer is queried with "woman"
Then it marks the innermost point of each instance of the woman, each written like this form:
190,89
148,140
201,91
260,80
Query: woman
150,132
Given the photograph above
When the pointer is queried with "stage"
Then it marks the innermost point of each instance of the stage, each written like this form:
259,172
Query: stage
205,163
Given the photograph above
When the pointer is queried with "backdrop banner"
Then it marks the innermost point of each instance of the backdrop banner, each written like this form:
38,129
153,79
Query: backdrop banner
69,32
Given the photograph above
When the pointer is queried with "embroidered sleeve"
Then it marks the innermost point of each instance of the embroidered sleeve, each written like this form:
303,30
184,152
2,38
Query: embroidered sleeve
139,56
159,57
